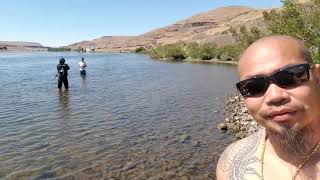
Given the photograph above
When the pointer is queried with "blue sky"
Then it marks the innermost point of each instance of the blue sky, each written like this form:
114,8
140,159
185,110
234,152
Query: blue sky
62,22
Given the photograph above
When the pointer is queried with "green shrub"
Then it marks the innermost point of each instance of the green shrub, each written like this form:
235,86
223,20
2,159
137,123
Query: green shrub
51,49
192,50
207,51
140,50
246,37
156,52
153,53
298,20
174,52
229,52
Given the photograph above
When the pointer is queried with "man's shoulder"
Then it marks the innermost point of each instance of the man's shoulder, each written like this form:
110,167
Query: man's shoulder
251,139
239,156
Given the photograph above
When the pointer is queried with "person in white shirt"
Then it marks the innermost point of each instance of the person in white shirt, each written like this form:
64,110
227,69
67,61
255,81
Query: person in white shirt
83,66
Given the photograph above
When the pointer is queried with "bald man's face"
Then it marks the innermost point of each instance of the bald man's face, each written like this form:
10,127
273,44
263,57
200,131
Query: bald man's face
279,108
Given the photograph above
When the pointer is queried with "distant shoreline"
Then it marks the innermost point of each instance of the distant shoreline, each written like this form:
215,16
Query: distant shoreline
212,61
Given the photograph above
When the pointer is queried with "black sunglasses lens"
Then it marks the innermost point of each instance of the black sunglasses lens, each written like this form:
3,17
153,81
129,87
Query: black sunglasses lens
284,78
252,87
292,76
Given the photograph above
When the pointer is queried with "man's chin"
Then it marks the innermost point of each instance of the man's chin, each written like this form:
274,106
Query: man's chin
277,127
291,138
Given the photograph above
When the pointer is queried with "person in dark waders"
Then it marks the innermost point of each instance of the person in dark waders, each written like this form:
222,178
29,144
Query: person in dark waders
62,69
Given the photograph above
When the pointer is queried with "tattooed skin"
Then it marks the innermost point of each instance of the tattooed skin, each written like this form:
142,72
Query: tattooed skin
238,160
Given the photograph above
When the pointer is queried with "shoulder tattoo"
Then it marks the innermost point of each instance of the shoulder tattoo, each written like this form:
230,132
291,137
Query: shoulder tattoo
238,160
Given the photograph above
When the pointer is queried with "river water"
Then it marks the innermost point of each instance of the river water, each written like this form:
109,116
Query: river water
130,118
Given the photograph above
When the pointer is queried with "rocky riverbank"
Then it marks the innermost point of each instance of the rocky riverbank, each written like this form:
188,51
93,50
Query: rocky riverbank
237,119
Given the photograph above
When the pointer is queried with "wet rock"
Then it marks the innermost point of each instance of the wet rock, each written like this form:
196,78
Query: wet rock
235,129
241,135
231,126
223,126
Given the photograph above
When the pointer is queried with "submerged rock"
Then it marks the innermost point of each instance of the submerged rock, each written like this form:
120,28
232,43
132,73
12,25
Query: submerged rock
129,165
184,138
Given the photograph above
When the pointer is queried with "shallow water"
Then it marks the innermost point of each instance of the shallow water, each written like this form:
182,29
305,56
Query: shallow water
130,118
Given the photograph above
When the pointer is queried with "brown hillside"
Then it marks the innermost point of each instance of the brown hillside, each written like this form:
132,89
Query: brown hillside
21,46
210,26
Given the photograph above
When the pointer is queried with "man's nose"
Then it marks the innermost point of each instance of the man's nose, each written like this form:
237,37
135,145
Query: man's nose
276,96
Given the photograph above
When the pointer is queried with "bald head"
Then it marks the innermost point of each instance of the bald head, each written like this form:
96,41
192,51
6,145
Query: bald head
277,50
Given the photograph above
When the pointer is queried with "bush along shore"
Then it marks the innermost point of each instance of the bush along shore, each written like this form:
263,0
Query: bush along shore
237,119
194,52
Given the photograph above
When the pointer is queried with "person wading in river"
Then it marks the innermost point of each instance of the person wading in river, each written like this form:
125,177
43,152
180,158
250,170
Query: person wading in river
83,66
281,89
62,69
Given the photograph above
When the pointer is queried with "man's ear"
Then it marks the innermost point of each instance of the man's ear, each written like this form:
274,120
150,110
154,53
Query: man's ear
317,73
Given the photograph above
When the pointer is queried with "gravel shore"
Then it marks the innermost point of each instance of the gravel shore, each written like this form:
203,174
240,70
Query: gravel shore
237,119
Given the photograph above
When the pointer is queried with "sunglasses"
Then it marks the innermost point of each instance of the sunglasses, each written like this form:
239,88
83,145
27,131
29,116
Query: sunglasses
284,78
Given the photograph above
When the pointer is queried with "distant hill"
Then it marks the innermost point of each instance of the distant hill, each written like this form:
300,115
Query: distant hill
21,46
211,26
